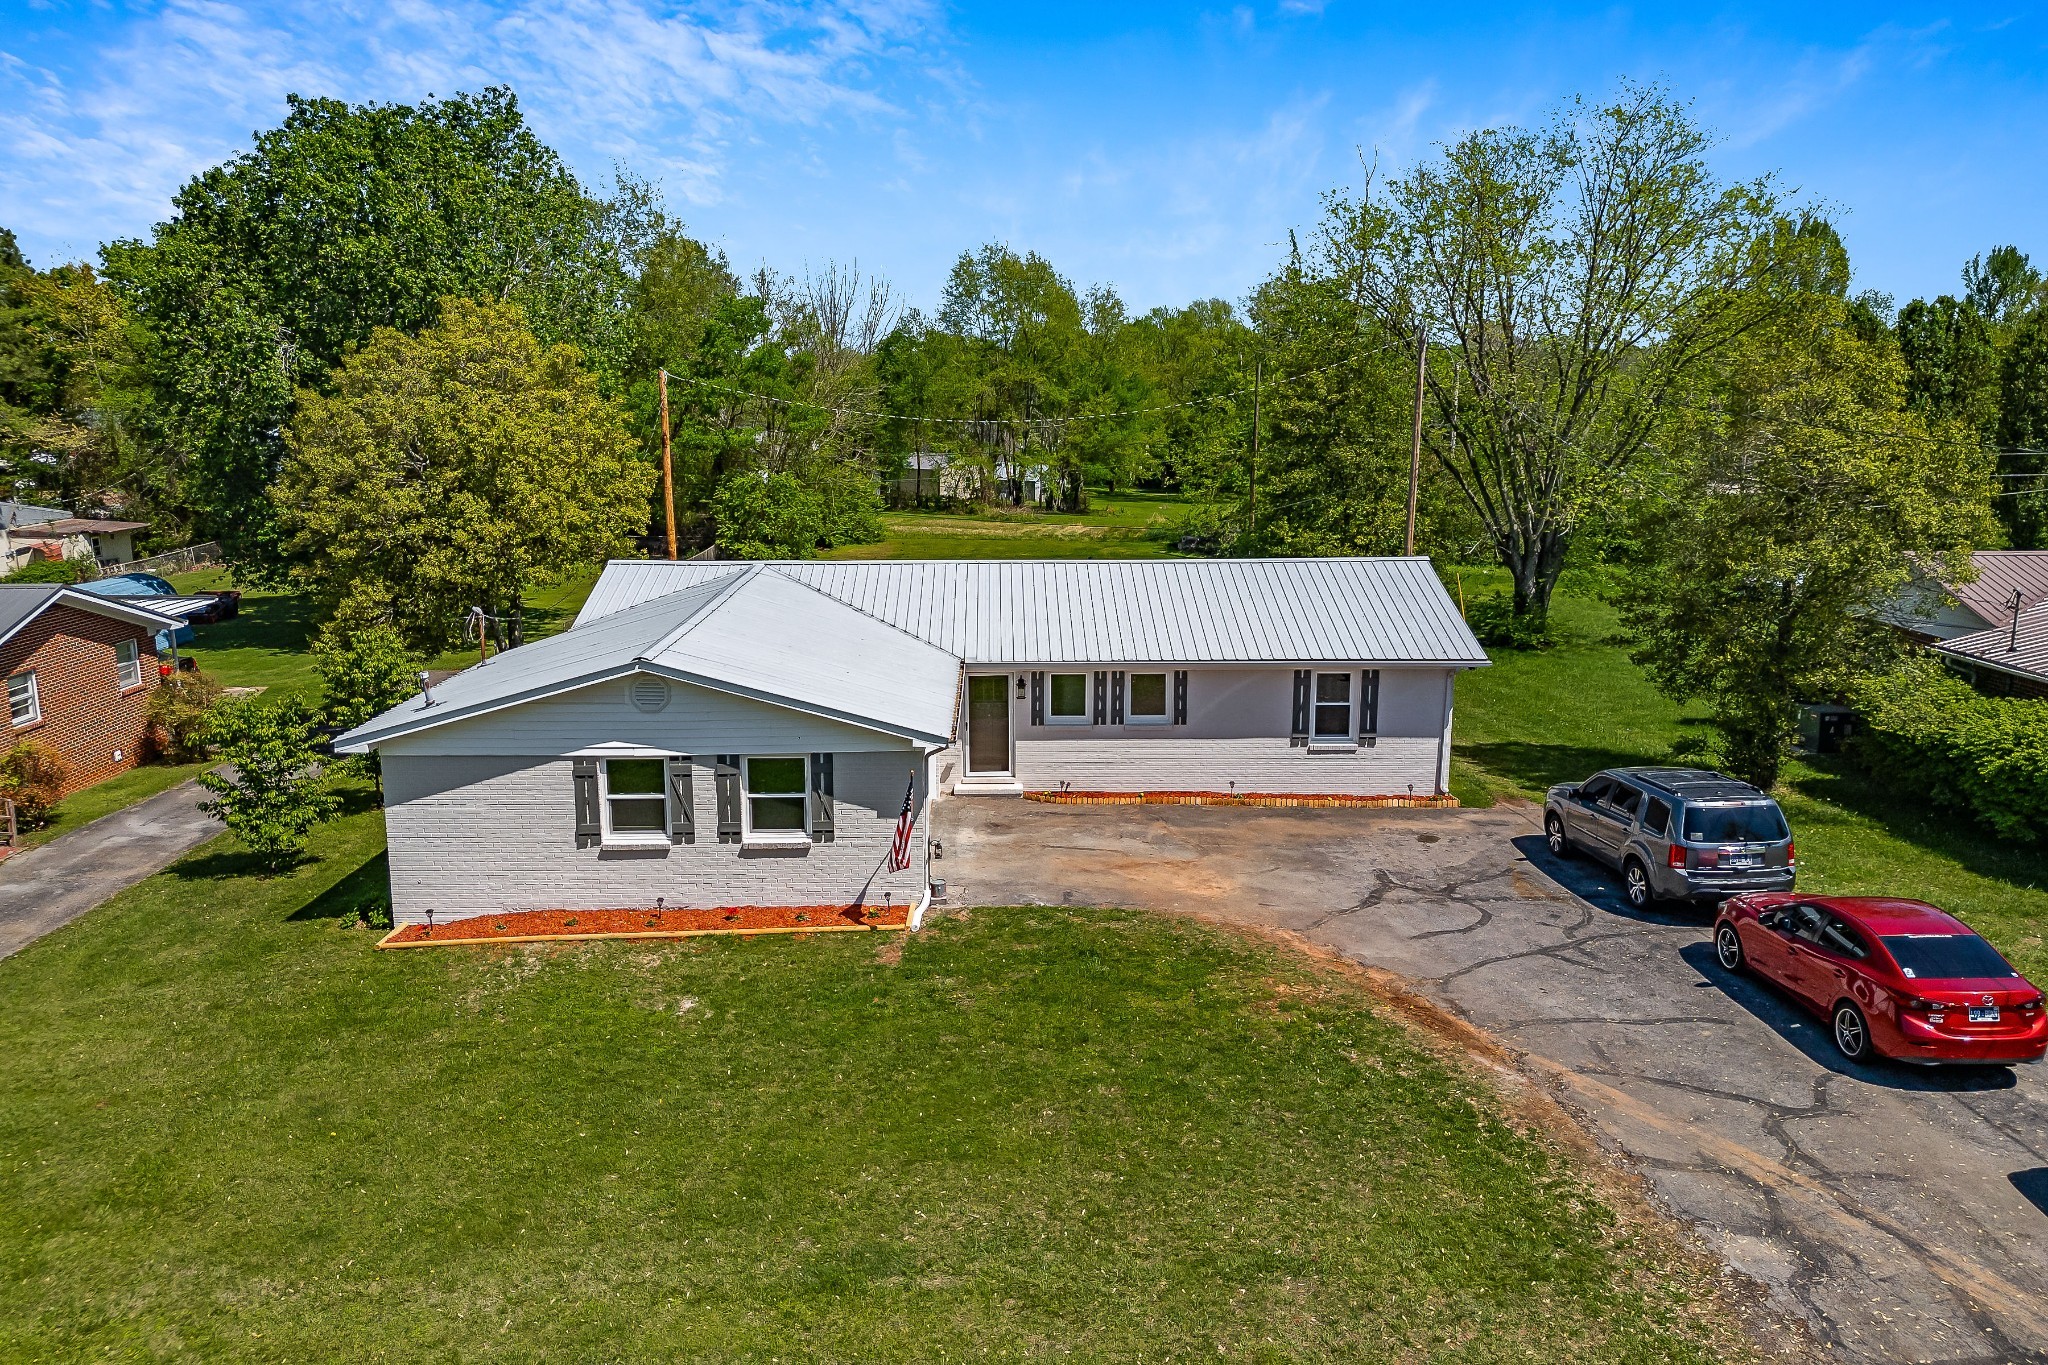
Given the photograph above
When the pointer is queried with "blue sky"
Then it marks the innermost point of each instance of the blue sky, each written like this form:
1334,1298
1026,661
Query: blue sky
1166,149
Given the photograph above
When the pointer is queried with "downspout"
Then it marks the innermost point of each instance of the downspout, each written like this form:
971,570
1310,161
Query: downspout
924,899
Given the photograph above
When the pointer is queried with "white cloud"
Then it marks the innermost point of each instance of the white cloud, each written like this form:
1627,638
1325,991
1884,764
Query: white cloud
670,89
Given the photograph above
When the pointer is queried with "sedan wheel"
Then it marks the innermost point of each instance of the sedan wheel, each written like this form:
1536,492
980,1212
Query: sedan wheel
1728,948
1553,834
1635,884
1852,1032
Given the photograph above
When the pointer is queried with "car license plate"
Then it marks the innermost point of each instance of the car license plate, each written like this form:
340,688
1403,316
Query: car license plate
1983,1014
1743,860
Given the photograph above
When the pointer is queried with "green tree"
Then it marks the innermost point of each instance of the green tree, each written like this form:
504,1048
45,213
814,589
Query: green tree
2023,432
347,219
452,470
271,793
1803,495
1580,276
763,515
1951,354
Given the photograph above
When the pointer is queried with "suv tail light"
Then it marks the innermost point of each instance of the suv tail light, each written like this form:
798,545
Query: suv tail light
1791,852
1675,858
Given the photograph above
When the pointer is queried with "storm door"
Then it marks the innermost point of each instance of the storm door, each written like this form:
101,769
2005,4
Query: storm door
988,724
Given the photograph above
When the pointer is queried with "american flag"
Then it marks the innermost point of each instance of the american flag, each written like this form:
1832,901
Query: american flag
899,848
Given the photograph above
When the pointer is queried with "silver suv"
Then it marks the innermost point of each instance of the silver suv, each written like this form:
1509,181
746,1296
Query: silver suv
1673,833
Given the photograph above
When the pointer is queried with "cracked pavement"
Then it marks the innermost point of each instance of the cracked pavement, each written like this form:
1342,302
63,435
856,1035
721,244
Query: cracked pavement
1902,1212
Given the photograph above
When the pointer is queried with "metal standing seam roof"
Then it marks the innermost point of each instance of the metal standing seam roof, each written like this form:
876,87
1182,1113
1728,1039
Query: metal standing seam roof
1993,648
814,654
1383,610
2000,573
21,603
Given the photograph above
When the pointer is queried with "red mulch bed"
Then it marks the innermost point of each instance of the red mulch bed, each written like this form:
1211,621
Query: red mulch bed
532,924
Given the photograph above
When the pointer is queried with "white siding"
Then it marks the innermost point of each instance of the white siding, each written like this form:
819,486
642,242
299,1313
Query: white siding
484,835
697,720
1238,738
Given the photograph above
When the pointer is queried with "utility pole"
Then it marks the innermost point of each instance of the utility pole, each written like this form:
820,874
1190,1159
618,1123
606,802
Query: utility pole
668,473
1415,441
1258,374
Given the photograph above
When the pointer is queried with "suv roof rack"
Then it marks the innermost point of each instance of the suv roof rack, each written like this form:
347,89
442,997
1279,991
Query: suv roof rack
1695,784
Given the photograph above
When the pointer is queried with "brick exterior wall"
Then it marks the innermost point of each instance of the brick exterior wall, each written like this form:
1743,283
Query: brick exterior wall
86,718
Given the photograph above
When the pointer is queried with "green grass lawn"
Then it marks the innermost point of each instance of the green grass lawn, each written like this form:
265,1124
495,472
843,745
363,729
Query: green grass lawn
1560,714
1115,526
235,1132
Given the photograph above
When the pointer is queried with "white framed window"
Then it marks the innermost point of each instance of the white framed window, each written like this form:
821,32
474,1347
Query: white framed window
776,799
24,699
1332,721
635,800
1147,704
1067,702
127,664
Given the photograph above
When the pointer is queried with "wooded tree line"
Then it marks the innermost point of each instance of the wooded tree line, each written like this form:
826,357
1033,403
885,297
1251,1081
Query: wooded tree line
401,354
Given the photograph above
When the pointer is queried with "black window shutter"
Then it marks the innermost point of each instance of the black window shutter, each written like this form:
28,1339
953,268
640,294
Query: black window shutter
682,802
1369,708
1180,696
1116,697
726,777
1101,697
589,820
1038,698
821,798
1302,682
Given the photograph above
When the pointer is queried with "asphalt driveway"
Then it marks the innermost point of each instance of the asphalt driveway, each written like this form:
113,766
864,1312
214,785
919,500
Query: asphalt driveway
1904,1212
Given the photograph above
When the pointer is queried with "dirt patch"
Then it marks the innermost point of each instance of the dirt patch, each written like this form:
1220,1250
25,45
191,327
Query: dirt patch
1730,1313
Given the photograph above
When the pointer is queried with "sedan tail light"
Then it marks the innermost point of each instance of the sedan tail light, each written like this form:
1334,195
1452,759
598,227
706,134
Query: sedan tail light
1676,857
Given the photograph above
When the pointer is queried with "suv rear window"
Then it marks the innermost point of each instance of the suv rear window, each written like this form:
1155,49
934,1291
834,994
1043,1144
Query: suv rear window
1755,822
1946,957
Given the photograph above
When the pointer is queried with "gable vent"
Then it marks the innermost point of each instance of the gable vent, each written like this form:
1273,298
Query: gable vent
648,694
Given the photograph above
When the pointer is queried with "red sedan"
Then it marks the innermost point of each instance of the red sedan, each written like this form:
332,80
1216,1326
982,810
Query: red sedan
1899,978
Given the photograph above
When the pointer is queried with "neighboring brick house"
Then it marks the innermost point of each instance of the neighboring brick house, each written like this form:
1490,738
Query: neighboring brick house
79,670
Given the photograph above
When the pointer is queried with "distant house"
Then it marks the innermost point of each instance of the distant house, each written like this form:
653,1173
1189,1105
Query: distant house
1929,609
29,533
2006,660
712,733
79,671
937,475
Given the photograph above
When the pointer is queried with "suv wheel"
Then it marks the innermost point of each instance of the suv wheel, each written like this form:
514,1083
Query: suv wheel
1728,948
1635,884
1554,835
1852,1032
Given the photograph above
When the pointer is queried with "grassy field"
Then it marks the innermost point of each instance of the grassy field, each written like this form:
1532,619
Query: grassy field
1115,526
235,1132
1560,714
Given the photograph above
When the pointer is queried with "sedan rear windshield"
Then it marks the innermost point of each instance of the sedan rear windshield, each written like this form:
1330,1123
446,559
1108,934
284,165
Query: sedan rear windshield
1758,822
1946,957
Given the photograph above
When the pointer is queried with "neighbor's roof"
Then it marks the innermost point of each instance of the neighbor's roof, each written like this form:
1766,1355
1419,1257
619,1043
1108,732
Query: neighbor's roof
18,514
2000,573
1993,648
748,631
1118,611
21,603
81,526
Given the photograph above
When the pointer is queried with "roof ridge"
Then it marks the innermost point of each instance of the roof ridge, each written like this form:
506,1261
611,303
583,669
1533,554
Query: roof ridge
731,584
776,566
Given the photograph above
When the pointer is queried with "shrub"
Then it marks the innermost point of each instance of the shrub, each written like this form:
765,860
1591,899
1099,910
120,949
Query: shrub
33,779
1925,731
178,712
52,571
273,793
768,516
1494,621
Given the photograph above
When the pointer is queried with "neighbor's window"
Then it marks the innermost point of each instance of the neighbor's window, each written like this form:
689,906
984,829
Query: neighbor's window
24,702
777,801
1148,699
1333,706
636,796
127,664
1069,699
